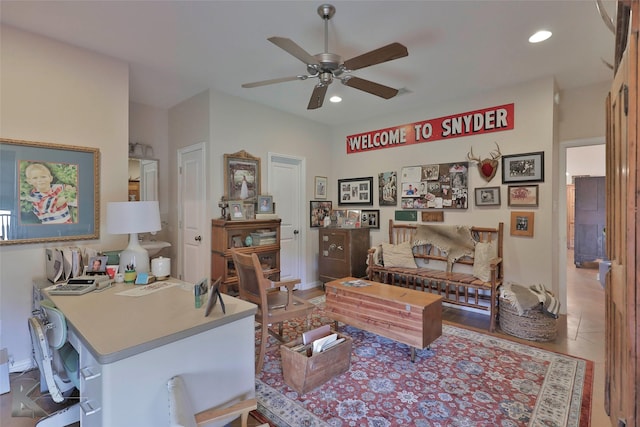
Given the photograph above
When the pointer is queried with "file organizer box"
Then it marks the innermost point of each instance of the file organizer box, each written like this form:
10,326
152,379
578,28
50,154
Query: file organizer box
303,373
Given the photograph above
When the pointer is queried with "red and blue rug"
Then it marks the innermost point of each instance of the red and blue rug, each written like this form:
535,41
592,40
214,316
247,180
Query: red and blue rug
464,379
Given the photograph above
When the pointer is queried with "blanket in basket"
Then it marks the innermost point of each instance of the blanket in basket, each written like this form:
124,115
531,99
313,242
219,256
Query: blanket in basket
525,298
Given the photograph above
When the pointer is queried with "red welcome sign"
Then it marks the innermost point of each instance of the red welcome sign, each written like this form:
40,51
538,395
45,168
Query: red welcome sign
492,119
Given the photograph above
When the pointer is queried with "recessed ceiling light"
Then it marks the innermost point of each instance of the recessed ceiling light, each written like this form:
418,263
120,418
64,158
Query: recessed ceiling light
540,36
335,98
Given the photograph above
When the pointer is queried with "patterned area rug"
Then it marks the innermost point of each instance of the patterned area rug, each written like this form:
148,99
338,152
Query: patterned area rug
464,379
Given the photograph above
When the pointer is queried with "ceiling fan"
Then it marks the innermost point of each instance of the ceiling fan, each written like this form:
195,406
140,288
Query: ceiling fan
327,66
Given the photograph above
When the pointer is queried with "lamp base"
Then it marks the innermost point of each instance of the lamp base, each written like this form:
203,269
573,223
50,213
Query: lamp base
134,255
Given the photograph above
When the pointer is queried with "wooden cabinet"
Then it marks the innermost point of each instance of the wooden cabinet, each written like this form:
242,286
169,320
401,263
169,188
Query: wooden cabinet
264,241
343,253
134,191
590,216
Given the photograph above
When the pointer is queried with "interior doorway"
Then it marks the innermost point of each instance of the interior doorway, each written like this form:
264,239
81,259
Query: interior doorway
581,158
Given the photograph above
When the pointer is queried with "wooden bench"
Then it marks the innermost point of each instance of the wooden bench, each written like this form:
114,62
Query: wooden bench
456,287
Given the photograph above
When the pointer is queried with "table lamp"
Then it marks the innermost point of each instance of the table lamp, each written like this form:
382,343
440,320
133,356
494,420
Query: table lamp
132,218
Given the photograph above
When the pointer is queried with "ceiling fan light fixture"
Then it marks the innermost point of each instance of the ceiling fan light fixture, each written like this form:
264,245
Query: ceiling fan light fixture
540,36
327,66
335,99
326,78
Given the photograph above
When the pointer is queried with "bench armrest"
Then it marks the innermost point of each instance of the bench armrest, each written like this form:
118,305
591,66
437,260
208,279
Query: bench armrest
493,264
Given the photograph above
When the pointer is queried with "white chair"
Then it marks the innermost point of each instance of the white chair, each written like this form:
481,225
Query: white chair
181,412
57,361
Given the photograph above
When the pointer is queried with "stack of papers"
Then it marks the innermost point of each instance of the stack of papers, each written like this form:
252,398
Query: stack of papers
318,340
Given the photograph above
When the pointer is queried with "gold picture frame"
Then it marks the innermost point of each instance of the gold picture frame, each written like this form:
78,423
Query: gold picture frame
74,177
522,223
241,176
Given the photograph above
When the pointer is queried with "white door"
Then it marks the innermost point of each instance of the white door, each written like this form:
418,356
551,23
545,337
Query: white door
148,180
192,213
286,185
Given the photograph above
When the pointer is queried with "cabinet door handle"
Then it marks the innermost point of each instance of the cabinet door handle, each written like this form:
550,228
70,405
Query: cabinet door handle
88,409
88,374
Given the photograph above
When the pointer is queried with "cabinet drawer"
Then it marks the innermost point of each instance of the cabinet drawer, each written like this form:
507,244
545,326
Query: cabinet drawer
91,385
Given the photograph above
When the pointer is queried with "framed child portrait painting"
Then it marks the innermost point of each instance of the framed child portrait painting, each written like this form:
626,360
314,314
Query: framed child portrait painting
49,192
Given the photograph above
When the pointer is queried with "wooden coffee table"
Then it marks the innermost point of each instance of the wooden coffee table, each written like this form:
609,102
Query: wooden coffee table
405,315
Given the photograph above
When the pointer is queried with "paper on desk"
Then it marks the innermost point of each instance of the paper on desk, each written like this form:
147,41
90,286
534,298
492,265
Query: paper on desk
356,283
140,291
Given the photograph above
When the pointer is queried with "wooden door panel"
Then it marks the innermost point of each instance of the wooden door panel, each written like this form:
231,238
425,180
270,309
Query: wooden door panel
622,369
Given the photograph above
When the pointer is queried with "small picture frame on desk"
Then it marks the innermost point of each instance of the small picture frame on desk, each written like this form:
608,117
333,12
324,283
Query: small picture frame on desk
265,204
97,265
214,296
236,209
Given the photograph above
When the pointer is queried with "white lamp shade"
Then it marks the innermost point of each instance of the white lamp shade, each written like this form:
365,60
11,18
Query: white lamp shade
133,217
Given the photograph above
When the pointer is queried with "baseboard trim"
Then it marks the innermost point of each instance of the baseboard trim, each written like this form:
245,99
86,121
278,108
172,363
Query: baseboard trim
22,365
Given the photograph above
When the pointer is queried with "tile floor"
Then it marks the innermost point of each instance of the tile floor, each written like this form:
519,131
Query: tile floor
581,333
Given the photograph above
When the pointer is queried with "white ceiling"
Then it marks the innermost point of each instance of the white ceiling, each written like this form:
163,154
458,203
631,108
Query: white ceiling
177,49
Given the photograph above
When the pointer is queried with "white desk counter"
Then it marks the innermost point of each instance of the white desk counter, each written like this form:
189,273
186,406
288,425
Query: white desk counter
130,346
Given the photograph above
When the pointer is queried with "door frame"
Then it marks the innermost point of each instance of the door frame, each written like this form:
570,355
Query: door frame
202,147
302,162
562,212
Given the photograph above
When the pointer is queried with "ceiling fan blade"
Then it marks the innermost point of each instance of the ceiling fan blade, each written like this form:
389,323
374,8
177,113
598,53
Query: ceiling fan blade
383,54
293,49
273,81
317,97
377,89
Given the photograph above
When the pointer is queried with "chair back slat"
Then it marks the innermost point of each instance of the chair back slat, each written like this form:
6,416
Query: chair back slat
247,269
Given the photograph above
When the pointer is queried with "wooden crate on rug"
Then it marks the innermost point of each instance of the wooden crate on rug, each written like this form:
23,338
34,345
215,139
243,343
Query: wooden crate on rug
304,373
532,325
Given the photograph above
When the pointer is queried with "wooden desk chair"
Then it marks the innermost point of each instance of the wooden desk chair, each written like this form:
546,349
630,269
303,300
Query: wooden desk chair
274,306
181,412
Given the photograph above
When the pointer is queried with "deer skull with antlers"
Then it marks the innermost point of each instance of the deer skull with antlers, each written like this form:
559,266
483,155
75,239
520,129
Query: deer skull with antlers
487,167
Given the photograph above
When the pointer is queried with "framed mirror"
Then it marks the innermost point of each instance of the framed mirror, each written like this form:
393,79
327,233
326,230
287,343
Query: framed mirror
143,179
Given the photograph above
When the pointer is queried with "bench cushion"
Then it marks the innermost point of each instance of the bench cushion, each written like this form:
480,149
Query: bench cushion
484,253
400,255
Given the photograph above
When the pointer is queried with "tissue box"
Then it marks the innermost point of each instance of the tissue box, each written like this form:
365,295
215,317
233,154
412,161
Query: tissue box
303,373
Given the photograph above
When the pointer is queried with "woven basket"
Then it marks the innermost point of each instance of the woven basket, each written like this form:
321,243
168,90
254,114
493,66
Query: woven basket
533,325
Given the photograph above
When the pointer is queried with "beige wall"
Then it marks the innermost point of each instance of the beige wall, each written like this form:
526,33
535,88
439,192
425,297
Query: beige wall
188,125
527,260
241,125
150,126
55,93
582,112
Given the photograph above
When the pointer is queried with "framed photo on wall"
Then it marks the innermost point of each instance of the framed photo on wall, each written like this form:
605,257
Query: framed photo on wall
50,192
388,188
522,223
523,195
355,191
487,196
320,187
370,218
241,176
318,210
528,167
